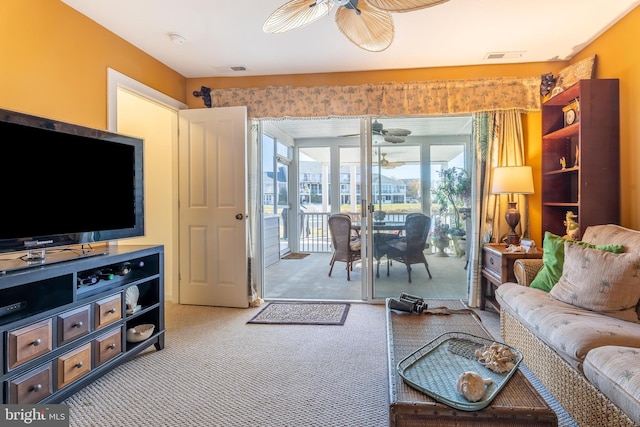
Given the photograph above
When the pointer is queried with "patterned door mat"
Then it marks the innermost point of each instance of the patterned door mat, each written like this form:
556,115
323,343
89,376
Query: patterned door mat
293,255
302,313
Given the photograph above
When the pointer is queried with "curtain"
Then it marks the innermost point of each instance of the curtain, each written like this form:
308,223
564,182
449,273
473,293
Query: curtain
499,141
434,97
255,196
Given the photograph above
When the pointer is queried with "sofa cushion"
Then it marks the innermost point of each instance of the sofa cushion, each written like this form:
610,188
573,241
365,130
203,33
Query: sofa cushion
613,234
571,331
600,281
615,371
553,259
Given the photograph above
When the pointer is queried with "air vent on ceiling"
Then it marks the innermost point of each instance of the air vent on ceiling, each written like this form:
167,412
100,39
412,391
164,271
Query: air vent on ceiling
226,69
504,55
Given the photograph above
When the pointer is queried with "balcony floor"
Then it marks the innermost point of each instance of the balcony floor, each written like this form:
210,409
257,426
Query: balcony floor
307,279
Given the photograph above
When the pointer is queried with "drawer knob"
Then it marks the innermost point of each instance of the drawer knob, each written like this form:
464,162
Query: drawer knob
79,364
78,325
36,387
491,261
111,346
37,342
113,310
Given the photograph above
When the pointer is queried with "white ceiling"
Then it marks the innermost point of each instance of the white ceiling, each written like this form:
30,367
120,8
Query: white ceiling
222,34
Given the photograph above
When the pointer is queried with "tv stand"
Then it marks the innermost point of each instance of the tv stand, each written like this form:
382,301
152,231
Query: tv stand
61,330
41,257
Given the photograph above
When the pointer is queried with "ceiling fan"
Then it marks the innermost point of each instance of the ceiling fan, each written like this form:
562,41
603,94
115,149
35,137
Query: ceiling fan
366,23
387,164
394,135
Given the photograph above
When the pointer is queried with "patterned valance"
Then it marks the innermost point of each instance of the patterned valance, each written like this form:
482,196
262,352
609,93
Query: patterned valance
385,99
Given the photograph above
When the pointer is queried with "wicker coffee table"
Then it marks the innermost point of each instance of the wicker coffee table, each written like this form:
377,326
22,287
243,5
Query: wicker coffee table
517,404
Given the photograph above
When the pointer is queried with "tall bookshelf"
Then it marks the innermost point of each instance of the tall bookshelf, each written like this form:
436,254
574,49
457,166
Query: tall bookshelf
589,183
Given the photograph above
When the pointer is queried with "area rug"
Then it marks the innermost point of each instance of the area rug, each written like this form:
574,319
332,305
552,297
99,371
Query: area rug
295,256
305,313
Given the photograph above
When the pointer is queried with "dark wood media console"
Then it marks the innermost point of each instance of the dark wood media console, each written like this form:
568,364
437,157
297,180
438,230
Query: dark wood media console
65,324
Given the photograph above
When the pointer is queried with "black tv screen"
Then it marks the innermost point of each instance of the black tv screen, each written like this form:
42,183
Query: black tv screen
65,184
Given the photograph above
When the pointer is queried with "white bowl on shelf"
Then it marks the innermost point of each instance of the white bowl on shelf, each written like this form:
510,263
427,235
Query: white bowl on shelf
140,332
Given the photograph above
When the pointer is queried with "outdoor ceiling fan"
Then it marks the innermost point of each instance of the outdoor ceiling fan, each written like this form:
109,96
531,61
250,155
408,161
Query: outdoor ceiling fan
387,164
394,135
366,23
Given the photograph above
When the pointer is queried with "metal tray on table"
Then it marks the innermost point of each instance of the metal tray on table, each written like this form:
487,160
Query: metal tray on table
435,367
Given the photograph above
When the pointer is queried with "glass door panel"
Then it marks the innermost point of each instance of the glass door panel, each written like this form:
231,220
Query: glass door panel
448,193
397,186
314,165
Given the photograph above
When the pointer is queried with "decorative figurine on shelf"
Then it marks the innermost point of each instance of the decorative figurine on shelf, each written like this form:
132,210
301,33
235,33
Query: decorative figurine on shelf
573,228
576,163
563,162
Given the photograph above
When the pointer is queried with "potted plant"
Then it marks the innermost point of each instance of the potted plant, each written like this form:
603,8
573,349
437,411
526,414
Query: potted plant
453,193
440,236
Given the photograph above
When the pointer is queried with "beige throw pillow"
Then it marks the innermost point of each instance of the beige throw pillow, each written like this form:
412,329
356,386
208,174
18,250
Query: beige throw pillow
600,281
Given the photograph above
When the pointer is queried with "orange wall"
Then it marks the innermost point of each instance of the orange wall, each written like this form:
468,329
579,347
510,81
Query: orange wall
53,63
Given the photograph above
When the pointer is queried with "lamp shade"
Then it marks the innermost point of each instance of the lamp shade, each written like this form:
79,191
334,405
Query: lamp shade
512,180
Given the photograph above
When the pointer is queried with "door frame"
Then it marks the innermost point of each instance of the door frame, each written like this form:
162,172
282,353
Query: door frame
115,82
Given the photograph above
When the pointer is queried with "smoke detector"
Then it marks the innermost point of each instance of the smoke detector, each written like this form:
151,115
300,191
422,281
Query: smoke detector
176,38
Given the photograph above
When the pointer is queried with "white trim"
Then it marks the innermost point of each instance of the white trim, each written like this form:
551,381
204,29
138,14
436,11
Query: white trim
117,80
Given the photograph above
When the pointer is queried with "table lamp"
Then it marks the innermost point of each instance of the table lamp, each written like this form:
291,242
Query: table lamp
512,180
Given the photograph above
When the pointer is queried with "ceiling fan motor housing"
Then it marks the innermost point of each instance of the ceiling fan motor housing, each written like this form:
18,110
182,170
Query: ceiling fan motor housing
344,2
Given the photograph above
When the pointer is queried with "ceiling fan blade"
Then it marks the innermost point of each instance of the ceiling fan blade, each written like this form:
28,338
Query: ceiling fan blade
371,29
403,5
295,14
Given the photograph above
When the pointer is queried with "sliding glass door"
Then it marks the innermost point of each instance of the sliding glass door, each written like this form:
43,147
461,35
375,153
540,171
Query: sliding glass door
377,171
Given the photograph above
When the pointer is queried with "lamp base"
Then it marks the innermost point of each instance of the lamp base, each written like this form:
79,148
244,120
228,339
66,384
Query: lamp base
513,219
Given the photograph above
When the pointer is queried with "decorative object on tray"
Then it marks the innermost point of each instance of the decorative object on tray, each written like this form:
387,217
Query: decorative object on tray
472,386
497,357
436,367
140,332
131,298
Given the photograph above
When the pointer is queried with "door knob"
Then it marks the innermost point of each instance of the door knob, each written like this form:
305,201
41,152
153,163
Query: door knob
239,217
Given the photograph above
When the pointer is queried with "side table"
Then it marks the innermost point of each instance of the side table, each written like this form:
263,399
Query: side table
497,268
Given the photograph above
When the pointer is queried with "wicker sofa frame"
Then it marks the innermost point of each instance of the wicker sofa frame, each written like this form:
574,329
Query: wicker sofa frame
581,399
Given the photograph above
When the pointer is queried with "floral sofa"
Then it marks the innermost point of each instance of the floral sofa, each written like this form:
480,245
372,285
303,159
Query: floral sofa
581,337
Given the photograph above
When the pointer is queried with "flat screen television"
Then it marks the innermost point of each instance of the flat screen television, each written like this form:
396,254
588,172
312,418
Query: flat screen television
66,185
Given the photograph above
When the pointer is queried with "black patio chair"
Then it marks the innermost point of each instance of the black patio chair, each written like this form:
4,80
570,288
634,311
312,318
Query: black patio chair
410,248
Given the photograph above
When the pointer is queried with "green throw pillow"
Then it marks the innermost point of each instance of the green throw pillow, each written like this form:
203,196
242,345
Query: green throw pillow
553,259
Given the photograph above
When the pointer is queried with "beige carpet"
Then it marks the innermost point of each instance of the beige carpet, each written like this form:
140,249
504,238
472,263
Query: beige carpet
217,370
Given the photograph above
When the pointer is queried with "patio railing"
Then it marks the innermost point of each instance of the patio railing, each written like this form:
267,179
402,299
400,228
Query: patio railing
315,236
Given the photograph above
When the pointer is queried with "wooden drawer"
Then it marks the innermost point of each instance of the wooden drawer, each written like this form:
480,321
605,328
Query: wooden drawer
32,387
73,365
107,346
492,262
73,324
27,343
108,310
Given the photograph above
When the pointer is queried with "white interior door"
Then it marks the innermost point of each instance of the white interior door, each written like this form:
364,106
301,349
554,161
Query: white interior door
213,207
